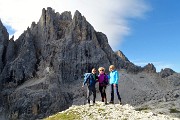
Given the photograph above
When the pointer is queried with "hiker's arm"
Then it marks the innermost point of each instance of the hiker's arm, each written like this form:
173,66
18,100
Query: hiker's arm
85,80
107,79
116,77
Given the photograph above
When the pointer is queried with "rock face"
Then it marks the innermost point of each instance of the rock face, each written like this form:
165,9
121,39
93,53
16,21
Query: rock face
4,37
122,56
166,72
149,68
56,51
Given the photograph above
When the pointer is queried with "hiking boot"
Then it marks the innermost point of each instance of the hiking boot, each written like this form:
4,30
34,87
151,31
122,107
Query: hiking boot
111,102
102,99
105,101
120,102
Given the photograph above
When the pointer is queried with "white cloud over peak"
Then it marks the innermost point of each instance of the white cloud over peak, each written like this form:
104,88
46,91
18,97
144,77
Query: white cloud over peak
108,16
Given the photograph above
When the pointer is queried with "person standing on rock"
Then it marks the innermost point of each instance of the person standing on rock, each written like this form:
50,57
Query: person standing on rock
103,82
114,77
90,80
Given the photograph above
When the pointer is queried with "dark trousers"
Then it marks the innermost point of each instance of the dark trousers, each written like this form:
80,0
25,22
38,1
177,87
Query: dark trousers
90,90
102,90
117,92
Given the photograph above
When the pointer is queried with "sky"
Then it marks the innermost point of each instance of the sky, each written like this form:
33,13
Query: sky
146,31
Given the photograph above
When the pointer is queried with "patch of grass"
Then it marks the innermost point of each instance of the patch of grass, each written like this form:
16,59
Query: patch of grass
174,111
160,112
70,115
142,108
101,110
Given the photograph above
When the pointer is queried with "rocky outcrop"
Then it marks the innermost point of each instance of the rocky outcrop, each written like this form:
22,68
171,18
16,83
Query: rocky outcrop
4,37
166,72
122,56
149,68
110,112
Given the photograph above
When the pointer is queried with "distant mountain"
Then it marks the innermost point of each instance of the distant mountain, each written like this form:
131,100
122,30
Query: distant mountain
37,69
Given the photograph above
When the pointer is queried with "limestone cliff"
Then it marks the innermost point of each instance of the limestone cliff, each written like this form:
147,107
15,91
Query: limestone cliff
55,51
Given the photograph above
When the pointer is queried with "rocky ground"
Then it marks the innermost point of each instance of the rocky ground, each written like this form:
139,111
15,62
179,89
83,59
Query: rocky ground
109,112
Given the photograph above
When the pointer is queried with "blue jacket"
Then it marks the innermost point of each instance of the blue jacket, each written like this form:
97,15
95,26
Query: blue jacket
89,79
114,77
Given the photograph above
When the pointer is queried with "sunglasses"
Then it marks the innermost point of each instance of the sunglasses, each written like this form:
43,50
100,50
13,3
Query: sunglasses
101,70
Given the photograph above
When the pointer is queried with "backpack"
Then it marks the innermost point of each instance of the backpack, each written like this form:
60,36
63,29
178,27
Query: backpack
87,78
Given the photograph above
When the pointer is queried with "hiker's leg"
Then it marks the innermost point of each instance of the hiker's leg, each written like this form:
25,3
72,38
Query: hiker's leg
117,92
89,92
94,94
112,93
100,89
105,98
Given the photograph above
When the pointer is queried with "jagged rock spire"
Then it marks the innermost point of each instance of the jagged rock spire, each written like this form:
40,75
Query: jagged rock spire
4,37
122,56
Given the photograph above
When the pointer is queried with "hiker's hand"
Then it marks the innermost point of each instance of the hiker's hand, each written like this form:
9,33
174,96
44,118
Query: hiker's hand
82,86
114,85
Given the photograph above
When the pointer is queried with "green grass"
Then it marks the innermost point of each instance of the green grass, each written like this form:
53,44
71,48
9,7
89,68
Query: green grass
69,115
101,110
142,108
174,111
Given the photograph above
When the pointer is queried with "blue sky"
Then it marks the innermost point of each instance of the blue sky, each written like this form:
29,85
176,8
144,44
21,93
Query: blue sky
156,38
147,31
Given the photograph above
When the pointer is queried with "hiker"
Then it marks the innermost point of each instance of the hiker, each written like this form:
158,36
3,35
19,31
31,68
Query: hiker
114,77
90,81
103,82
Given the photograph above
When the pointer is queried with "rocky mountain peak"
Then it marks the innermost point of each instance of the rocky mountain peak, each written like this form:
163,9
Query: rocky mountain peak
149,68
78,15
4,38
4,35
66,16
166,72
122,56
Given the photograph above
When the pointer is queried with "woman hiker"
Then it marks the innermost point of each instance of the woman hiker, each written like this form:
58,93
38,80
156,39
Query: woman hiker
103,82
114,77
90,81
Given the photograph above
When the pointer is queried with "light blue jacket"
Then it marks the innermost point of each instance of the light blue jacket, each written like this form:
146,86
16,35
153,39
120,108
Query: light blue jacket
114,77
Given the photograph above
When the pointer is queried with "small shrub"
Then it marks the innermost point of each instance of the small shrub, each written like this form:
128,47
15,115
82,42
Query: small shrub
101,110
174,111
142,108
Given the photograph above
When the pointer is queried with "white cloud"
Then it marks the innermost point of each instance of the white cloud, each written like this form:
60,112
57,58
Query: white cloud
108,16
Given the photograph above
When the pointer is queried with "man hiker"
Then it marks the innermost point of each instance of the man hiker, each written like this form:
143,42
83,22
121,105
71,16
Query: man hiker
114,77
90,81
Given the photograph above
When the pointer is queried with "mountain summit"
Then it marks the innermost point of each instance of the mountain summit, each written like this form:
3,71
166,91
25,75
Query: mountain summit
107,112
